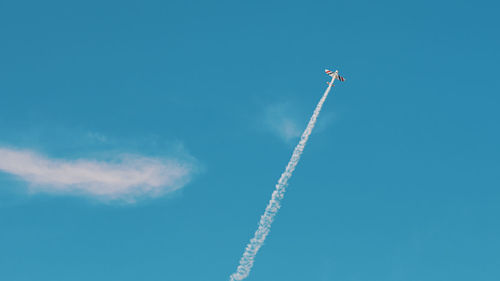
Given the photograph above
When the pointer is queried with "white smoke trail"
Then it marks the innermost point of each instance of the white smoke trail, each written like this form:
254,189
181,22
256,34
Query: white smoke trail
247,260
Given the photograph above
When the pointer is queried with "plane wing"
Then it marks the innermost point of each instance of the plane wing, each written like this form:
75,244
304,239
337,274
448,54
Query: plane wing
330,73
333,74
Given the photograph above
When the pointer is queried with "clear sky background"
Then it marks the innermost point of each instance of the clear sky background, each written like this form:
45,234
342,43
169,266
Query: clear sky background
400,181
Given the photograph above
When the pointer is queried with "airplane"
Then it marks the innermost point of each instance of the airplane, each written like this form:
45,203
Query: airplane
334,75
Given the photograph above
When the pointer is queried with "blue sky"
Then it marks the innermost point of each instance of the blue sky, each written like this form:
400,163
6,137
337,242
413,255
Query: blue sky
399,182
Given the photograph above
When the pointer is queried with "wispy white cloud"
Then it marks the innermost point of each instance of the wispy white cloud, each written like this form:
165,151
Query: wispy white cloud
127,178
97,137
281,119
285,120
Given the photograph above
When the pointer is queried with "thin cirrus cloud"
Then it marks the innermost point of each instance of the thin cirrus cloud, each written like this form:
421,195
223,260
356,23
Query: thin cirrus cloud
284,120
281,119
128,178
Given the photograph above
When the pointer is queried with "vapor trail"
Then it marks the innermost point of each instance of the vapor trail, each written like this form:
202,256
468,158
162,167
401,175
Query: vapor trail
247,260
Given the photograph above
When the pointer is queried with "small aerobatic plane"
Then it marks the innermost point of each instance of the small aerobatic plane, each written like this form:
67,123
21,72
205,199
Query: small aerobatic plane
334,75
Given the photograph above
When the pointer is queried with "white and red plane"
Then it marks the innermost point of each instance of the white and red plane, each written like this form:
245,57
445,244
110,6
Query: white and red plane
334,75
